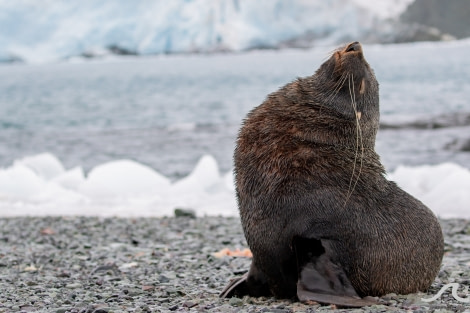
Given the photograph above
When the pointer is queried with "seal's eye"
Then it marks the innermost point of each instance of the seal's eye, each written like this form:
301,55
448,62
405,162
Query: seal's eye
355,46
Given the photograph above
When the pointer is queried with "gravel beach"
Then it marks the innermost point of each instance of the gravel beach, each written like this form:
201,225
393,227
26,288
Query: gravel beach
90,264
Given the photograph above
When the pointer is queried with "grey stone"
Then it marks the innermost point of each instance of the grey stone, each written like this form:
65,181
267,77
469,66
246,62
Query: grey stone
236,301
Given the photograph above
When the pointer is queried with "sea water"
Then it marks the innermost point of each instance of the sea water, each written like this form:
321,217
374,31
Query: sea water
166,113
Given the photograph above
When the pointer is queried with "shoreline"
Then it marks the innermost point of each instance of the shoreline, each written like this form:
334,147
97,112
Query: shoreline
105,55
93,264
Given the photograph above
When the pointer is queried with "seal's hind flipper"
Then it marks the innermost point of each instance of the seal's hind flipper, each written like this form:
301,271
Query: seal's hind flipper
320,279
236,287
252,284
325,282
343,301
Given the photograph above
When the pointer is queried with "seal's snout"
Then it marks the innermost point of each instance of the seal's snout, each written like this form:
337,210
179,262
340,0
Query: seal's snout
354,47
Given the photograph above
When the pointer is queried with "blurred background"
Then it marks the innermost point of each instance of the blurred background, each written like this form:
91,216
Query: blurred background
166,84
49,30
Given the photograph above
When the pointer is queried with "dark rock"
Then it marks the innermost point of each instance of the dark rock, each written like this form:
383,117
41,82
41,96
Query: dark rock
462,145
417,32
450,17
179,212
115,49
465,145
434,122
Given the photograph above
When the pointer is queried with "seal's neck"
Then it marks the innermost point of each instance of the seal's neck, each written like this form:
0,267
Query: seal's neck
322,125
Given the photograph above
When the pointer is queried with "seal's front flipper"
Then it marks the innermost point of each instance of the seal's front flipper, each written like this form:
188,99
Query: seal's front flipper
252,284
236,287
320,279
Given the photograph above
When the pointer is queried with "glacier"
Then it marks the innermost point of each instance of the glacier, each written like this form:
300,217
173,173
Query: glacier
44,31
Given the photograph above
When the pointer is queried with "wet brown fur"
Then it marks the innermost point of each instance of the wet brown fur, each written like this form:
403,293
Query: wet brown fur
305,167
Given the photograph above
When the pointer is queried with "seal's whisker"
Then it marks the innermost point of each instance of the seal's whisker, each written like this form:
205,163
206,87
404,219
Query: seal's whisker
359,143
349,192
337,87
330,53
339,84
357,115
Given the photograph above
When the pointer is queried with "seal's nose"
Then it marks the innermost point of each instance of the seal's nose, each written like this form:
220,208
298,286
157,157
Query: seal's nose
355,46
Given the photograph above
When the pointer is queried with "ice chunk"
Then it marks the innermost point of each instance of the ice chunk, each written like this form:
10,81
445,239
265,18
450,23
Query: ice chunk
45,165
444,188
71,179
229,181
204,177
39,185
20,182
124,178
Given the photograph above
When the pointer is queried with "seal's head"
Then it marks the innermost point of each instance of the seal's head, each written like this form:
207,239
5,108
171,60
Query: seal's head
347,84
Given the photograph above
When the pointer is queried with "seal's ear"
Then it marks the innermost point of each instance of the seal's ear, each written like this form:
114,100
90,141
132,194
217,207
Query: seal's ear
320,279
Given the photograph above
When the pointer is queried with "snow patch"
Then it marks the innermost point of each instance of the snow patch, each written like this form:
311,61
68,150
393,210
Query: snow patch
444,188
39,185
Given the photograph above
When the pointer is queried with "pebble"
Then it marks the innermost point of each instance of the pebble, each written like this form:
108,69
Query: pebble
73,286
235,302
91,264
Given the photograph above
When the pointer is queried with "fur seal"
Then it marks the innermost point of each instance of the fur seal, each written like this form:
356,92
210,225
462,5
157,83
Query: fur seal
320,217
